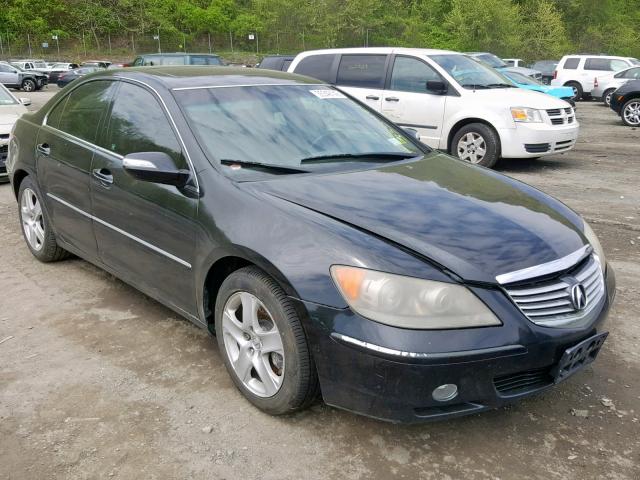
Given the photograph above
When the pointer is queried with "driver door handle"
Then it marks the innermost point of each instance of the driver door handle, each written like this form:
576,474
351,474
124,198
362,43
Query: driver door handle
44,149
372,97
392,99
104,175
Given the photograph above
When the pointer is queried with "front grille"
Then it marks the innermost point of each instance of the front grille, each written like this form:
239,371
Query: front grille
4,136
537,147
523,382
547,301
561,116
4,152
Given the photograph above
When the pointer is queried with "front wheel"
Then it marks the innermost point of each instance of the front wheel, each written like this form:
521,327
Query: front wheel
36,227
631,113
477,143
263,344
29,85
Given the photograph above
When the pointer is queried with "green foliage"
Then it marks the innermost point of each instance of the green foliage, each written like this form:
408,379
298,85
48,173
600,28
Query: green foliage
529,29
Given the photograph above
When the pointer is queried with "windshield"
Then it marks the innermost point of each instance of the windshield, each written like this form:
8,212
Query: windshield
284,125
491,60
470,73
6,98
521,79
18,67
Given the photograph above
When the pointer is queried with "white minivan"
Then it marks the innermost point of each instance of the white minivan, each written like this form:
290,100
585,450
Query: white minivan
455,103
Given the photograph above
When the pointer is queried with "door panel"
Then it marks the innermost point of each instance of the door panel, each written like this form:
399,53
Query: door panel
145,231
408,103
9,75
63,161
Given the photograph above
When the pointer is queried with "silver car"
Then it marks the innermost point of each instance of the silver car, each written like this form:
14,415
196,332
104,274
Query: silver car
605,85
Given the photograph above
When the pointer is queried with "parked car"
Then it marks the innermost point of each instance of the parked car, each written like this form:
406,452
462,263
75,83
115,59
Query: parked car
514,62
276,62
605,85
57,69
176,59
27,80
455,103
28,64
96,63
546,67
495,62
528,83
10,110
66,78
625,101
327,248
578,71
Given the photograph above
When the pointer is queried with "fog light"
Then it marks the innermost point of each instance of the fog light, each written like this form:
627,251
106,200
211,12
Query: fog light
445,392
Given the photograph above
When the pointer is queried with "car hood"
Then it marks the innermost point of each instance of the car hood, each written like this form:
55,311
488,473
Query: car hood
469,220
559,92
8,118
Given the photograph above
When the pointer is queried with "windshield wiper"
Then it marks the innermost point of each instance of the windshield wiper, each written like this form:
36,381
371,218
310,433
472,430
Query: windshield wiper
475,86
500,85
267,166
357,157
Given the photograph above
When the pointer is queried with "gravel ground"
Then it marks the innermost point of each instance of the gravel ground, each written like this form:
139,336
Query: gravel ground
99,381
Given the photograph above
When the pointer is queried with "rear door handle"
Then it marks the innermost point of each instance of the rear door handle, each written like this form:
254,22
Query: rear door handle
392,99
103,175
372,97
44,149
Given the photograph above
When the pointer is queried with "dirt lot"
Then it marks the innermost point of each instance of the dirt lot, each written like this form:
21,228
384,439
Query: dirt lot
98,381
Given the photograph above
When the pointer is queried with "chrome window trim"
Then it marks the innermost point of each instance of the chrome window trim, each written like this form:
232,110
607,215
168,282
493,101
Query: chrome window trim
545,268
120,231
206,87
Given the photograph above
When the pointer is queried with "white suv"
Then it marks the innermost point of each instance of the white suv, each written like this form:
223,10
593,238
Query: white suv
578,71
455,103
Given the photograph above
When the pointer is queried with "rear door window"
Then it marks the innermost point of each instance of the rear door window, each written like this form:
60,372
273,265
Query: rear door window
571,63
317,66
79,114
602,64
364,71
174,60
204,60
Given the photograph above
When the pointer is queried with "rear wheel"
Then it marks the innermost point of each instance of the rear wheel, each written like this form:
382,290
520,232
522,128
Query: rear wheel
28,85
577,90
631,113
262,343
606,96
36,227
477,143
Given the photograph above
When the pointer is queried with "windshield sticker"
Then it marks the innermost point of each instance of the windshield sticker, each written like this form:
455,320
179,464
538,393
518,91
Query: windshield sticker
326,93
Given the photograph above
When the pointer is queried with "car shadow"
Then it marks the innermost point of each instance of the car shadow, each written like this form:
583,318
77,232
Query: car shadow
528,165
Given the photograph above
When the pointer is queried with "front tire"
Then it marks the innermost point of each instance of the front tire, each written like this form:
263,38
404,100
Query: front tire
36,227
477,143
263,344
631,113
29,85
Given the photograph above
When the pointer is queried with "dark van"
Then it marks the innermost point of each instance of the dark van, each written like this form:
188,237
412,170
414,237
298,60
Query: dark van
176,59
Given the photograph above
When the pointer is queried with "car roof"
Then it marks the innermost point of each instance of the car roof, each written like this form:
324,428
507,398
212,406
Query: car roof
381,50
191,76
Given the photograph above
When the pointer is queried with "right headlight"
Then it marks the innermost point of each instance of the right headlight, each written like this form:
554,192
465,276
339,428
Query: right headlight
409,302
595,243
526,115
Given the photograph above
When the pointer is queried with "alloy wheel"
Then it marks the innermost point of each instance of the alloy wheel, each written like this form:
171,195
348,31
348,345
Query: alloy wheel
28,86
253,344
607,99
472,147
32,220
632,113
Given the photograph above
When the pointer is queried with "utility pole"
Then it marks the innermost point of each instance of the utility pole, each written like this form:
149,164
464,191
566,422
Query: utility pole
109,39
209,36
133,43
184,43
231,40
84,45
278,43
1,46
29,42
257,43
158,37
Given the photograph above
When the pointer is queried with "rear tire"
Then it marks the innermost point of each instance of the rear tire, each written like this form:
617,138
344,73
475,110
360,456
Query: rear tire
476,143
280,377
36,227
29,85
606,96
577,90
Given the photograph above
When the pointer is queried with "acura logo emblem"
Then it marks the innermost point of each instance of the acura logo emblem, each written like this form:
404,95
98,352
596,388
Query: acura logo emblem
578,297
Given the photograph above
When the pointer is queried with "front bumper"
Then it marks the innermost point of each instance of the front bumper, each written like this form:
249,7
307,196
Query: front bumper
390,373
537,139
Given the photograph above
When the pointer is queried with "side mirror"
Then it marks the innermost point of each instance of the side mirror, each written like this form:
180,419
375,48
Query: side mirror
155,167
413,132
437,86
25,101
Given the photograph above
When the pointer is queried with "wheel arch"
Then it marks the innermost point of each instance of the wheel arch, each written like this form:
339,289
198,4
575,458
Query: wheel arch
466,121
18,176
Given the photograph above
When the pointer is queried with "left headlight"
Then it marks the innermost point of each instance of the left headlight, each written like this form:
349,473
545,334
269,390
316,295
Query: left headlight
408,302
595,243
526,115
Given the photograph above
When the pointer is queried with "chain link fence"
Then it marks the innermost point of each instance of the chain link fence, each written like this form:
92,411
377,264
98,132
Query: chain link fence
123,47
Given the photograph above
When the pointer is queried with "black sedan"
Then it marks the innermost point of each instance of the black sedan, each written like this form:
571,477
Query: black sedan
326,248
65,78
625,101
